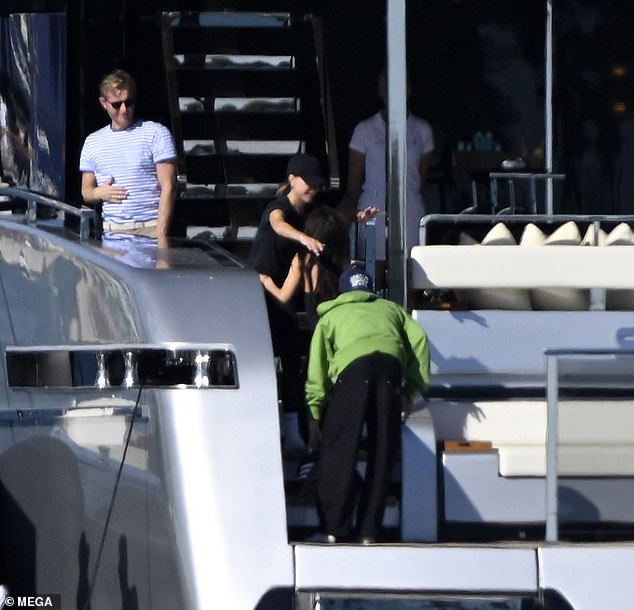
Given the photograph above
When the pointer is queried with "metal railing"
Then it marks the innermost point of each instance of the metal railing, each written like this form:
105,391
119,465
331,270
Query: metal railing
167,39
326,102
85,215
552,425
532,178
464,220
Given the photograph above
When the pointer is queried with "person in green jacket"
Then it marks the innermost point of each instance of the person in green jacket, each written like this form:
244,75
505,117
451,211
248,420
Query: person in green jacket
367,358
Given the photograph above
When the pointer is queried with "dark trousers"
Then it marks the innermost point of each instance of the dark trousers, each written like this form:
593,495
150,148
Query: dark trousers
367,392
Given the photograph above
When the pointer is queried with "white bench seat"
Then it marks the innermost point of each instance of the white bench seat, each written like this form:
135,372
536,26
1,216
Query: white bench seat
521,267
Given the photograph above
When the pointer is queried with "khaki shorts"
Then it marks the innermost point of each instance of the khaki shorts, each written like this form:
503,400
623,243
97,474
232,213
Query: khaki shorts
135,227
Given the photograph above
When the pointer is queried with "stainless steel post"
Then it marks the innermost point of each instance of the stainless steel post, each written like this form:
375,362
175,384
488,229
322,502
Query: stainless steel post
396,149
552,432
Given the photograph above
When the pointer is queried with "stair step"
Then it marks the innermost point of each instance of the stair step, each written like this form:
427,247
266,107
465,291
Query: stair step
225,19
243,233
305,515
267,41
221,212
202,212
228,191
292,458
238,149
195,82
238,170
242,105
242,126
235,62
301,498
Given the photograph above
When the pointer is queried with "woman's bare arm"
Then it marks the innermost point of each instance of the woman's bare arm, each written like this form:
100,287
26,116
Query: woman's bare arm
293,279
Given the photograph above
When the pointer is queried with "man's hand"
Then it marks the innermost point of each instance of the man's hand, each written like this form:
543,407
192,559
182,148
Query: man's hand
407,406
111,192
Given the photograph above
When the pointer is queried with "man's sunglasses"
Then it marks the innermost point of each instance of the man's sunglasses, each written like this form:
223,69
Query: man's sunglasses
117,105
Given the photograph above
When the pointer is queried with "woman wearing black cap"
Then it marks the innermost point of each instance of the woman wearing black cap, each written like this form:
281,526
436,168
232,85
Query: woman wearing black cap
280,233
317,274
280,236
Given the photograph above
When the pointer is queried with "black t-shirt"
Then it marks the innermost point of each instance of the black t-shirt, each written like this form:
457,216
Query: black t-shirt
272,254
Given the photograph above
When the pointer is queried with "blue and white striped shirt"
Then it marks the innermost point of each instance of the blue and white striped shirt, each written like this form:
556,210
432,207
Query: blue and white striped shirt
130,157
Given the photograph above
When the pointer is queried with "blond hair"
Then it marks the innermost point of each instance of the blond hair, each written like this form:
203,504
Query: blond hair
283,189
119,80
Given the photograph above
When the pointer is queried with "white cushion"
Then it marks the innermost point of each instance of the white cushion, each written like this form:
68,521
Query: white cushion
532,236
566,235
496,298
499,235
621,235
562,299
588,238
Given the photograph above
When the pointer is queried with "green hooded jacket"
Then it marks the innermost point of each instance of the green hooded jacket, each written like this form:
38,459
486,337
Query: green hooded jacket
356,324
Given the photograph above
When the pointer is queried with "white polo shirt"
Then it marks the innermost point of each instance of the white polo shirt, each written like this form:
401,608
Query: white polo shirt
369,138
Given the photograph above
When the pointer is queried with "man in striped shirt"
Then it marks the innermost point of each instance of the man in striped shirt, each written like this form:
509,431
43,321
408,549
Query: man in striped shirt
129,165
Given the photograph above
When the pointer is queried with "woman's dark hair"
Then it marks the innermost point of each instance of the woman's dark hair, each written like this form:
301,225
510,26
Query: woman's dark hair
325,224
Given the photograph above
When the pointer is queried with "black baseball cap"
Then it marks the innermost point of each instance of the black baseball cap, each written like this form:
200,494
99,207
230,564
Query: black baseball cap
308,168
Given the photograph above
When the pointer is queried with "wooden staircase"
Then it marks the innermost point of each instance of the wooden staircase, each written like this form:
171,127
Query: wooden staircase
246,91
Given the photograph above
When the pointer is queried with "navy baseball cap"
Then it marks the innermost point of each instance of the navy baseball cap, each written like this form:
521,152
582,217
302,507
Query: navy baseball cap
355,279
308,168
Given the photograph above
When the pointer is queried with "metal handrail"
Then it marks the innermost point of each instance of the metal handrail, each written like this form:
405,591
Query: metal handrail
167,39
466,219
85,215
326,103
552,426
532,178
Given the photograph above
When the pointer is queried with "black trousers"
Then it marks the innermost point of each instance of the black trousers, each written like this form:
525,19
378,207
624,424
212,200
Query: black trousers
367,392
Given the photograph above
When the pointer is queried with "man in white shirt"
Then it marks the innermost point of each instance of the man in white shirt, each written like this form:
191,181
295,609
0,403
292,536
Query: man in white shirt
129,165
